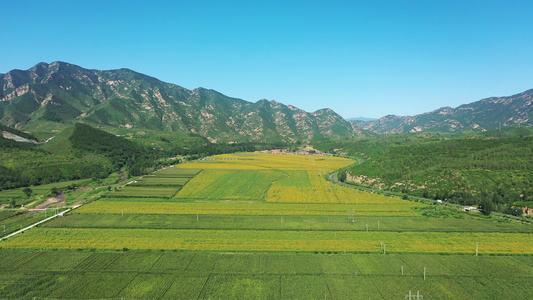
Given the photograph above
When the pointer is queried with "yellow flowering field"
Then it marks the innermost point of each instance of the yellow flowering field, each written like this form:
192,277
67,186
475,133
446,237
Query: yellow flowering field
310,187
222,208
275,178
274,240
264,161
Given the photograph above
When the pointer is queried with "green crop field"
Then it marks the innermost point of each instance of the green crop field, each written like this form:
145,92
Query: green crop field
203,275
258,226
162,184
280,222
161,181
142,191
230,185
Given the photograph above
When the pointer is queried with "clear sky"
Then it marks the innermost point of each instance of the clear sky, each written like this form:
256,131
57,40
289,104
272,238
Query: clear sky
360,58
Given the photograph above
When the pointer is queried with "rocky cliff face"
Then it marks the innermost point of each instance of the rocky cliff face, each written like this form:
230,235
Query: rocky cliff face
60,93
486,114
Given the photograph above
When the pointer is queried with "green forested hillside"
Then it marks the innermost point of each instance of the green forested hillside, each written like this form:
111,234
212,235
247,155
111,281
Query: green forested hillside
78,152
81,151
495,165
119,151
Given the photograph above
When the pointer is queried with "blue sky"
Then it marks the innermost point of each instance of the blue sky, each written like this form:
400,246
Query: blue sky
360,58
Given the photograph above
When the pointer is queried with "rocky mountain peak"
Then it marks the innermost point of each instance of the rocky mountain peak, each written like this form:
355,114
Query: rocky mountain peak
485,114
60,94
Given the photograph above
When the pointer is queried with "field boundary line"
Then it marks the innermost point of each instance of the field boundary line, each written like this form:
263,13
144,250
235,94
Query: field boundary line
203,287
126,285
265,194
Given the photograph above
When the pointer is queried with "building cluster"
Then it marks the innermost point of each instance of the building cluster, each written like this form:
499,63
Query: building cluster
285,151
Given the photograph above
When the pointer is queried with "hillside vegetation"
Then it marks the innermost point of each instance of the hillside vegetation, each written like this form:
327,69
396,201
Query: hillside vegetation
82,151
486,114
495,165
54,96
78,152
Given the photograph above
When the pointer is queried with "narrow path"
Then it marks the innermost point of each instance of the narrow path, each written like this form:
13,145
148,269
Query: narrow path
123,176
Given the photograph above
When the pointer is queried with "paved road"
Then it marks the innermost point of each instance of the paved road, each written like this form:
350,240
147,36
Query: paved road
40,222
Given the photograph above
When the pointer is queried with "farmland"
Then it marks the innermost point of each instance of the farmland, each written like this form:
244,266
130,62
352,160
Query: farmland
202,275
229,185
164,183
232,208
276,240
260,226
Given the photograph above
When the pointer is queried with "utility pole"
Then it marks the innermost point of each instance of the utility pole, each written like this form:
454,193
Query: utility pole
413,296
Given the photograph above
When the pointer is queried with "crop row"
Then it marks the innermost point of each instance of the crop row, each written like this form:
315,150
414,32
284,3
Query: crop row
176,173
274,240
155,180
270,161
108,207
189,275
26,261
143,191
284,222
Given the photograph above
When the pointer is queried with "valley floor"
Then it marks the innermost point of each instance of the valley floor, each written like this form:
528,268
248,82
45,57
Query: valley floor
264,226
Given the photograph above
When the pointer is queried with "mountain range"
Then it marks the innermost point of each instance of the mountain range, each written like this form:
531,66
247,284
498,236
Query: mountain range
51,97
482,115
57,95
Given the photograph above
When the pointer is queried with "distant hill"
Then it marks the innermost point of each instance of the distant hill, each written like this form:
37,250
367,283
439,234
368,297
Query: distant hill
361,119
53,96
486,114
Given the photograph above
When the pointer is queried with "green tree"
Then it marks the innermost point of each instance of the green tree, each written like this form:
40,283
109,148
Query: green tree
486,206
27,191
342,176
54,191
13,203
